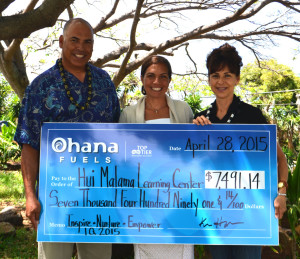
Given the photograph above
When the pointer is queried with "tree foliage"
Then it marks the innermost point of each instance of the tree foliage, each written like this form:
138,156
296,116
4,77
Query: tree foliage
9,111
192,89
129,90
216,20
274,87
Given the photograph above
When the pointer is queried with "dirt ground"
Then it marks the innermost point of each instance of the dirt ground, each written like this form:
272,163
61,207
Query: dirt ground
20,209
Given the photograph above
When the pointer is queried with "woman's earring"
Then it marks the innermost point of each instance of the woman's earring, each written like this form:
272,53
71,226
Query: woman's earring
143,90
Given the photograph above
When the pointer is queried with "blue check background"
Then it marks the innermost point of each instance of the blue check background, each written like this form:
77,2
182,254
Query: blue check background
177,225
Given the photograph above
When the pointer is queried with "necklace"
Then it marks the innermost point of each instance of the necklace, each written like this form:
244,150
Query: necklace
209,112
68,91
234,106
155,110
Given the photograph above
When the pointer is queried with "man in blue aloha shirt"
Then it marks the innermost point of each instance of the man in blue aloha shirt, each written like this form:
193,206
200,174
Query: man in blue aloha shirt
71,91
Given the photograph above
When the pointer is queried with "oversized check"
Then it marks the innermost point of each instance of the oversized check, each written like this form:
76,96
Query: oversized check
168,183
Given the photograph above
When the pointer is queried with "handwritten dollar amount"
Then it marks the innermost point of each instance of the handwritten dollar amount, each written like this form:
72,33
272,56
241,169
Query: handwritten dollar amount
223,179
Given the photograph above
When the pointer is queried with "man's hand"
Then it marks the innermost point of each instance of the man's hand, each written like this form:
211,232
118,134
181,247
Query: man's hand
280,206
33,209
30,168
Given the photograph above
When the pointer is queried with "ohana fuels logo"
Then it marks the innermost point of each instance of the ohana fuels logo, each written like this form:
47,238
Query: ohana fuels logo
60,145
141,151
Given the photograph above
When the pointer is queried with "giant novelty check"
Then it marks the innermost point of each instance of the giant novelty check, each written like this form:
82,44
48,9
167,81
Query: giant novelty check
171,183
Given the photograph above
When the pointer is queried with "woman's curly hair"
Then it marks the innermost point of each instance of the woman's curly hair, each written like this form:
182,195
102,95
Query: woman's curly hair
225,55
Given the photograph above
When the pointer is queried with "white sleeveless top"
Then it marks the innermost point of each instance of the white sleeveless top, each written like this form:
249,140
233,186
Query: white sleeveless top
159,121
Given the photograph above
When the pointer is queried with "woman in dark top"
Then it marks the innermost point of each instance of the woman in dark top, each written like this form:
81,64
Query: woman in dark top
224,64
238,112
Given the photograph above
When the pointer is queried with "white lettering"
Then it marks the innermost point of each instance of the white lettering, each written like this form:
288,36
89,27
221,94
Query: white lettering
60,145
71,144
87,148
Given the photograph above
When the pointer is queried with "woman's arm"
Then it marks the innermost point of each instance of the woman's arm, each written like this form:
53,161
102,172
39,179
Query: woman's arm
280,201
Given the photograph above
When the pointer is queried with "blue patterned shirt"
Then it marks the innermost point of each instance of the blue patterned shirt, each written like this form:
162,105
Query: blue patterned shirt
45,100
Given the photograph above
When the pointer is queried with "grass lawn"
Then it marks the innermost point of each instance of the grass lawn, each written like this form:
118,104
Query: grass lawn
11,187
23,244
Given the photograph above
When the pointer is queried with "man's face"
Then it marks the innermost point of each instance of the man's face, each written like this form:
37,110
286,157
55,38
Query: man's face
77,46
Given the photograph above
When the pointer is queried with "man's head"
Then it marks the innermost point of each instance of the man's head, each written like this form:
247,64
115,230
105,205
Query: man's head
76,44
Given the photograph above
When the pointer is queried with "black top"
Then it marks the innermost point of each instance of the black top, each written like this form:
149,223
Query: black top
243,113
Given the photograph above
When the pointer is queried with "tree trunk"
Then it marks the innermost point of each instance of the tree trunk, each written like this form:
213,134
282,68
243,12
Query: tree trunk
14,71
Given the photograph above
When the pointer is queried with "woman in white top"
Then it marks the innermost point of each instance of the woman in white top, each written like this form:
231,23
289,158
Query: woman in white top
156,107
